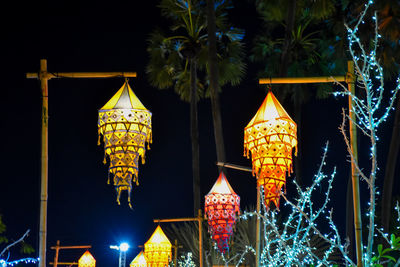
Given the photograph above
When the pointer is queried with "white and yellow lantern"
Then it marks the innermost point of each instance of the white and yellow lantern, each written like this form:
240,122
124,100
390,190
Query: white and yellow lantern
125,126
158,249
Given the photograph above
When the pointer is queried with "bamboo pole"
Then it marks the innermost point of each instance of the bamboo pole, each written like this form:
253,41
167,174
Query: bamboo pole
291,80
57,248
354,174
44,76
350,80
258,226
199,219
44,164
51,75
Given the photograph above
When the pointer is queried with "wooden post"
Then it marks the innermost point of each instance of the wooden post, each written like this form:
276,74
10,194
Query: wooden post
57,249
44,76
258,226
200,220
176,253
44,163
354,174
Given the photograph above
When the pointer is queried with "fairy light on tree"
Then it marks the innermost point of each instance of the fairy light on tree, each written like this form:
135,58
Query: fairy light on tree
290,242
5,252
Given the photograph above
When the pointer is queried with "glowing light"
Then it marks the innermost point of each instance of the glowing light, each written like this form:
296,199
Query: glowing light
87,260
125,125
139,260
221,207
270,137
124,247
158,249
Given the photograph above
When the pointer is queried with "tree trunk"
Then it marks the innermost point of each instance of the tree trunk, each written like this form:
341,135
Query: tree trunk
194,133
214,86
290,19
285,61
390,170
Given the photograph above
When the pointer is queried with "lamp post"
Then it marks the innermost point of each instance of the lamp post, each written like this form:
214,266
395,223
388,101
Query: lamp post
122,248
44,76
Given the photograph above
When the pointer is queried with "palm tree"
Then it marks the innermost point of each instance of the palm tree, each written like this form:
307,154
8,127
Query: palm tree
213,76
180,60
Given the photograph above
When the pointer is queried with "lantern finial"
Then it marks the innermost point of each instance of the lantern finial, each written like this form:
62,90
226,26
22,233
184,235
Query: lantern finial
270,137
125,125
221,207
87,260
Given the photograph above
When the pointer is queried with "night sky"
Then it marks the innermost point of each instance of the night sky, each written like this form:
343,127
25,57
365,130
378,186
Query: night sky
111,36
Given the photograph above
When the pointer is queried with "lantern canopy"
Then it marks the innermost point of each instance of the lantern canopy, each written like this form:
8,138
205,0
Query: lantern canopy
139,260
221,206
270,137
158,249
125,125
86,260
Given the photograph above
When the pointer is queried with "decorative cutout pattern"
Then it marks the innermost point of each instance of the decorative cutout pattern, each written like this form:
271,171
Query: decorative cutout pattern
125,125
222,205
270,137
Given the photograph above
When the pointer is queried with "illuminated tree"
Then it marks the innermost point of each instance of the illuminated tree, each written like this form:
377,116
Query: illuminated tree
288,243
5,252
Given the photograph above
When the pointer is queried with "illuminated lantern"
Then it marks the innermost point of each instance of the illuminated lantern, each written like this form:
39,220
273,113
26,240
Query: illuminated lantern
87,260
270,137
221,207
139,260
125,125
158,249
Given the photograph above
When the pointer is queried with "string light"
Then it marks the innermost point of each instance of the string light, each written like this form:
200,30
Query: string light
4,263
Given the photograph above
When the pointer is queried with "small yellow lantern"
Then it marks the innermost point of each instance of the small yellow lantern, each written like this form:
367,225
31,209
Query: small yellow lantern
87,260
270,137
139,260
158,249
126,126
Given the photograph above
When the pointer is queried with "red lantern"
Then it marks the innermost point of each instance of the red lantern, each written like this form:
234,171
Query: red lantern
221,207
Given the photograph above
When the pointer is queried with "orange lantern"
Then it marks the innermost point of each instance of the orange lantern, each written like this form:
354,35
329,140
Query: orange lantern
221,207
139,260
126,126
270,137
87,260
158,249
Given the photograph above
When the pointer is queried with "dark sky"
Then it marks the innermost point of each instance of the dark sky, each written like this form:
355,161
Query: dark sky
111,36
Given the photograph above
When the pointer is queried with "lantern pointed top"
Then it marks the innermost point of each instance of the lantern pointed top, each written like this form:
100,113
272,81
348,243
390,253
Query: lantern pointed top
125,98
139,260
158,237
221,186
270,109
87,260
